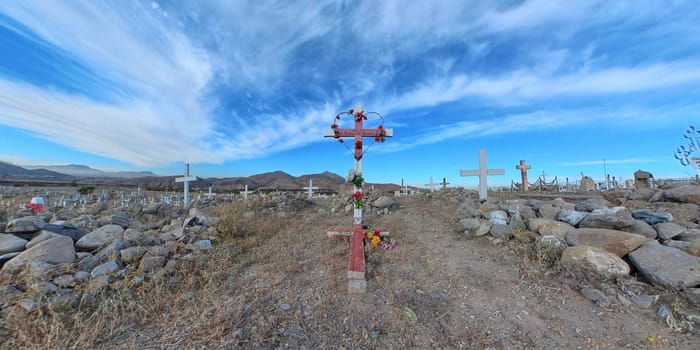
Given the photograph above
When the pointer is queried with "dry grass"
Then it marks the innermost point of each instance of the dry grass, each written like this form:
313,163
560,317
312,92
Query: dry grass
275,281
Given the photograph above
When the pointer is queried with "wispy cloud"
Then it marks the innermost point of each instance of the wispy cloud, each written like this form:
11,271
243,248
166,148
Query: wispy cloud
615,161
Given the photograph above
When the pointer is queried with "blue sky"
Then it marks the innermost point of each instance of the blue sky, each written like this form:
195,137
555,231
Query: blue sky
243,87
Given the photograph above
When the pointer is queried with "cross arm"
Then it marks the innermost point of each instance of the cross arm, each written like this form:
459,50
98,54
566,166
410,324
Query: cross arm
351,132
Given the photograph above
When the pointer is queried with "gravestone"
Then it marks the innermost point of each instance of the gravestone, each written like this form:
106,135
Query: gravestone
356,265
311,188
523,167
642,179
483,172
587,184
186,180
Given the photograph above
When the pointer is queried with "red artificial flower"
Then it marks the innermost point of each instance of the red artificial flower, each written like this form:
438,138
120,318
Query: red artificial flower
357,195
351,110
334,126
358,144
337,117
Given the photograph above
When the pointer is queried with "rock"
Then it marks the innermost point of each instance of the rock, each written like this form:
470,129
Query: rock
497,217
683,194
693,248
640,227
652,217
3,225
6,257
613,218
27,224
668,230
131,254
689,235
156,208
158,250
468,225
65,281
111,251
468,209
100,237
104,269
88,263
571,217
591,204
617,242
501,231
549,211
693,295
197,217
74,233
11,243
54,251
64,300
549,227
517,224
550,247
133,236
40,237
644,301
600,260
616,196
43,287
121,219
666,266
150,263
203,244
596,295
81,276
385,202
562,204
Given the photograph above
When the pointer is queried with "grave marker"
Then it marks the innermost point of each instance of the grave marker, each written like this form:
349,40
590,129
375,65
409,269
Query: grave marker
310,188
483,172
444,182
356,265
431,185
186,180
523,167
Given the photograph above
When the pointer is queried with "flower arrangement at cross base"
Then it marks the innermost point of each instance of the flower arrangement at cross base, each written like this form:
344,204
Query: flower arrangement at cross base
357,180
358,199
376,239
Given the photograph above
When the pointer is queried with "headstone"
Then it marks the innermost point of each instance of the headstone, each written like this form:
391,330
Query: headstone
356,266
310,188
523,167
483,172
587,184
186,180
642,179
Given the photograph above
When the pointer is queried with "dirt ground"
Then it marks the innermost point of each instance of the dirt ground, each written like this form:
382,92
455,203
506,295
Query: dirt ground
287,288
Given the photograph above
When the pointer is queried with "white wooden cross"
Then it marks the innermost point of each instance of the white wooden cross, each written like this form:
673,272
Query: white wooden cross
483,172
245,193
311,188
209,195
186,180
431,185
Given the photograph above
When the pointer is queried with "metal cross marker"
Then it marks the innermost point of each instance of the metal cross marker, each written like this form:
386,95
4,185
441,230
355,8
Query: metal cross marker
483,174
310,188
186,179
444,182
431,185
356,266
523,167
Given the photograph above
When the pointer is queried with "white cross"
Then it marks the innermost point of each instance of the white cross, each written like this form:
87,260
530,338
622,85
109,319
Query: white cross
482,173
245,193
186,179
311,188
431,185
209,195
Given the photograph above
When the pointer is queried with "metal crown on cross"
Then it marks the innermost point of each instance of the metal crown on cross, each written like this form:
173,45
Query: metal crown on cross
356,266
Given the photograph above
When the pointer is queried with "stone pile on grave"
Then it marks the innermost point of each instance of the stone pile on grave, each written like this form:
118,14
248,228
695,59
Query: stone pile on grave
615,233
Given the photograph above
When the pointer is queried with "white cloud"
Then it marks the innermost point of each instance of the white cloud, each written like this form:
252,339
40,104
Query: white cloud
615,161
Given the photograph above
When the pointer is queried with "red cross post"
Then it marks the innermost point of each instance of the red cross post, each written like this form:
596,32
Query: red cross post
356,266
523,167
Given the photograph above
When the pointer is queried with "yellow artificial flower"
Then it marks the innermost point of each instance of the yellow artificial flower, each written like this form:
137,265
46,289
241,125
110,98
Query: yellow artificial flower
376,240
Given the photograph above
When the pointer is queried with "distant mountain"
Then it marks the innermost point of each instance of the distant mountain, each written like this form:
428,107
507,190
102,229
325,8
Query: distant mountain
11,170
78,170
